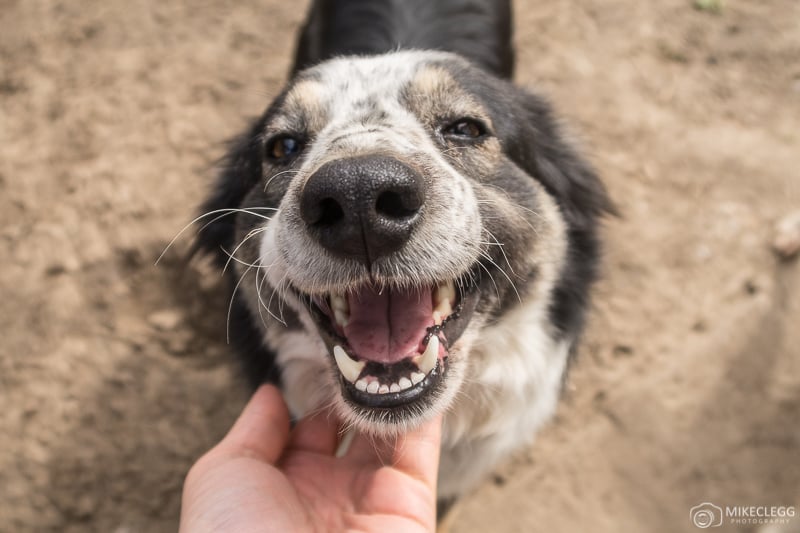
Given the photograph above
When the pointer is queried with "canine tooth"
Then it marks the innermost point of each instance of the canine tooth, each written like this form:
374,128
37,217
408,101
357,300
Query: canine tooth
383,389
443,308
394,387
373,387
428,360
350,369
361,384
405,383
341,317
443,298
445,292
416,377
340,308
339,302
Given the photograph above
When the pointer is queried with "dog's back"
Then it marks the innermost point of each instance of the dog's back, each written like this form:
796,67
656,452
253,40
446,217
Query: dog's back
479,30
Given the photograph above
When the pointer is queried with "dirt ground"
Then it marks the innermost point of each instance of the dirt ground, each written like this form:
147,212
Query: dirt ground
115,374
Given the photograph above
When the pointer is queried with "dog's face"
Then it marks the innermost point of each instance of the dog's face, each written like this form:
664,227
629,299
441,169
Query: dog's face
392,208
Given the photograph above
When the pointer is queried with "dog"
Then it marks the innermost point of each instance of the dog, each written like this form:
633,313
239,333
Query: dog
407,233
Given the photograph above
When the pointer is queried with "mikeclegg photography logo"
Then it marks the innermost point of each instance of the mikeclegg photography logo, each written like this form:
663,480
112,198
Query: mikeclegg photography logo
707,515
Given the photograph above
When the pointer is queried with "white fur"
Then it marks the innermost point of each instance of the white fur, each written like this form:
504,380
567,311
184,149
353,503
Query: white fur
514,377
503,379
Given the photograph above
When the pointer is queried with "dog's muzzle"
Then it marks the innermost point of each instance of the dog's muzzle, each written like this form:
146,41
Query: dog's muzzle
390,342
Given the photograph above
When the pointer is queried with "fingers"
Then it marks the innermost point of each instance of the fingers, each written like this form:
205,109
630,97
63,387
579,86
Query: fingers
415,453
262,430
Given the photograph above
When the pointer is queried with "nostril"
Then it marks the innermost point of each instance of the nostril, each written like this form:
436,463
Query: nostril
330,213
391,204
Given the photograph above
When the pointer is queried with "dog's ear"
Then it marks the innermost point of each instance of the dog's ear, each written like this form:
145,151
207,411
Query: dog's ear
541,148
544,151
240,171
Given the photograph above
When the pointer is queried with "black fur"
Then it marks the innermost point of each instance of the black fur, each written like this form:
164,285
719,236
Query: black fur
479,30
241,171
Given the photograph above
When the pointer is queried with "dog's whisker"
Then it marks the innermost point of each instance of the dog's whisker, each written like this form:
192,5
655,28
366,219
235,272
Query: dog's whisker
505,256
230,305
232,255
497,206
503,272
276,289
267,305
221,213
491,278
266,185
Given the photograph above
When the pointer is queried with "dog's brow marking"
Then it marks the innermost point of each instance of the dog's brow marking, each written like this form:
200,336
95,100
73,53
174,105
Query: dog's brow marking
431,79
305,94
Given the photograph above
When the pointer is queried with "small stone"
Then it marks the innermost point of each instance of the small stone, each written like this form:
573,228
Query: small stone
165,319
786,243
178,343
622,350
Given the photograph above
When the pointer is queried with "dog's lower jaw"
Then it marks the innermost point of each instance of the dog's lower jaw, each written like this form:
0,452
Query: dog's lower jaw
479,429
310,381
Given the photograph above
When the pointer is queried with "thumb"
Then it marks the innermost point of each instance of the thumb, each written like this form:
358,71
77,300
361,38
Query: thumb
417,452
262,430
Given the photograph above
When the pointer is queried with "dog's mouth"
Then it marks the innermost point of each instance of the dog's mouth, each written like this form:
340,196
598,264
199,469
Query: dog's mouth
391,345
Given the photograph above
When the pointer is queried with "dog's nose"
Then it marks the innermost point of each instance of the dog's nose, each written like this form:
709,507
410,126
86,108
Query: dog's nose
363,207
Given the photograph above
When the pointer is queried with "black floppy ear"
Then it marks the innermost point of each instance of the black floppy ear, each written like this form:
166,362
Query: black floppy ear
544,152
241,170
540,147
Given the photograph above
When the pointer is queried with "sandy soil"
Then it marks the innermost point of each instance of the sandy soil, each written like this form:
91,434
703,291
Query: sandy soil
115,374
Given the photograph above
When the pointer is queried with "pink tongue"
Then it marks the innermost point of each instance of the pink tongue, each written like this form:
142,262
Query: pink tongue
388,327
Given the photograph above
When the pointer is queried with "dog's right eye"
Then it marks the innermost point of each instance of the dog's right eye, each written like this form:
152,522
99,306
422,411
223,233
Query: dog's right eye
465,128
283,148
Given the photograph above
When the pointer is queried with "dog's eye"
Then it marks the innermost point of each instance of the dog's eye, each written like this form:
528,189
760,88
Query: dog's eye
283,148
465,128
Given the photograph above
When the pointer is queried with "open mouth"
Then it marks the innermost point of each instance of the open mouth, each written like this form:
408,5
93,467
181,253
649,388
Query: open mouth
391,345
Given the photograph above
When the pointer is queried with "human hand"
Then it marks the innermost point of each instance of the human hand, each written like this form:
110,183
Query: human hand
264,477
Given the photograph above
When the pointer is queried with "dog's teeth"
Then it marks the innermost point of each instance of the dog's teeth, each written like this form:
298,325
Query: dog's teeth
341,317
340,308
350,369
405,383
383,389
372,388
443,298
445,292
416,377
394,387
428,359
338,301
361,385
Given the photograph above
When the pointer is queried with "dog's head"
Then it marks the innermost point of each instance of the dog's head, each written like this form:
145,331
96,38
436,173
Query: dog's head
393,207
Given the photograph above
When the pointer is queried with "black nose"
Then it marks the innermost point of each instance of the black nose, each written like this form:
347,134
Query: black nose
363,207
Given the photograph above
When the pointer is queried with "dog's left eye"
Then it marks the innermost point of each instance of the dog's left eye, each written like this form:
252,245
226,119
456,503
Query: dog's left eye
283,148
466,128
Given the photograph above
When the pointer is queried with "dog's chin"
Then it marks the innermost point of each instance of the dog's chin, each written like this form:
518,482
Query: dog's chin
394,351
